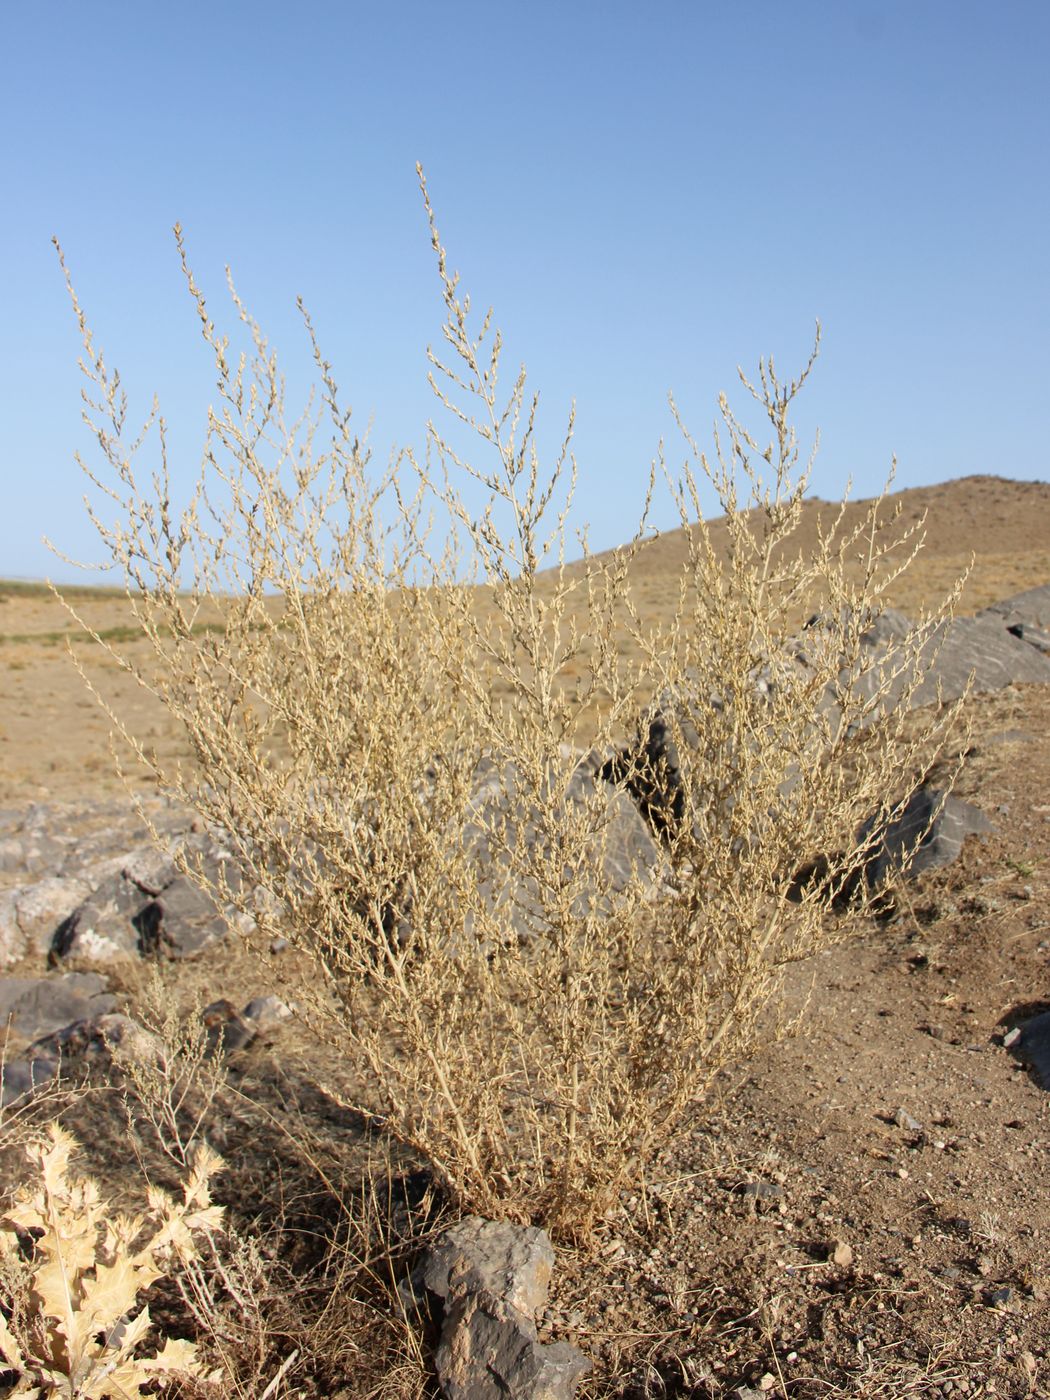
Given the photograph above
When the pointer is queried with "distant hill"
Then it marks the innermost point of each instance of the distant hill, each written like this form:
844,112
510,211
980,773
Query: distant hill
1003,525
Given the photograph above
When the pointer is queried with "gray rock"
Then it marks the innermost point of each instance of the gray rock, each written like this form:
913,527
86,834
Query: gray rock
181,922
927,833
903,1119
108,1038
42,853
492,1278
488,1351
20,1077
227,1029
266,1012
512,1262
1033,636
230,1029
891,625
502,819
36,1006
761,1190
149,868
981,646
30,914
104,928
150,909
1030,608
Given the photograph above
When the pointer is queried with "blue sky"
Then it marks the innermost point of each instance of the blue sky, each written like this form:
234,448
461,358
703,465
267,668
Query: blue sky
649,195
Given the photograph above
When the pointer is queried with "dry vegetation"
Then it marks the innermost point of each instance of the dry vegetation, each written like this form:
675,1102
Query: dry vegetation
410,748
71,1271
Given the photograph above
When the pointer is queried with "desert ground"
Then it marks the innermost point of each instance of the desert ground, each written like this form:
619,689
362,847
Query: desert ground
863,1211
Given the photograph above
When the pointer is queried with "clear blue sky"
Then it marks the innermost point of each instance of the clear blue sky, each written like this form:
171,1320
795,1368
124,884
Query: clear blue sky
648,194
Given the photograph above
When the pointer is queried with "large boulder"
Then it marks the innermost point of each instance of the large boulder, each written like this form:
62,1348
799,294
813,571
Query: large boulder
1026,616
1004,645
927,832
151,908
1031,607
986,653
36,1006
30,914
982,652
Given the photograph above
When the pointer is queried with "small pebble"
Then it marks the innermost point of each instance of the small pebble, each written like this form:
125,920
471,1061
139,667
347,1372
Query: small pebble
841,1254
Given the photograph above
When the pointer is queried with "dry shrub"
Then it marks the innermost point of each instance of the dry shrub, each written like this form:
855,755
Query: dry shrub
390,735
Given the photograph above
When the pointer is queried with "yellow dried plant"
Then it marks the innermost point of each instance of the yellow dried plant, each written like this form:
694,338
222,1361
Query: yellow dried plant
72,1270
416,763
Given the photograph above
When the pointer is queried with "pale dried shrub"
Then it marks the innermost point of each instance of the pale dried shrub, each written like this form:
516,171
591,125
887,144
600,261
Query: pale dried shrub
530,1026
175,1086
72,1270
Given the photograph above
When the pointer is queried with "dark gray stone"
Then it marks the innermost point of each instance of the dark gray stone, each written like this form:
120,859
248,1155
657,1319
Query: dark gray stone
181,922
1033,1046
492,1278
504,821
488,1351
230,1029
227,1028
22,1076
30,914
110,1037
1030,608
928,832
36,1006
150,908
103,928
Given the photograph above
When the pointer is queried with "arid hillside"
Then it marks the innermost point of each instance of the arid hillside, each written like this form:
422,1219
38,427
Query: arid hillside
999,529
